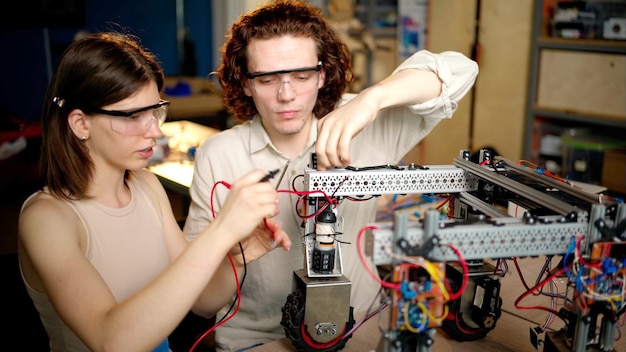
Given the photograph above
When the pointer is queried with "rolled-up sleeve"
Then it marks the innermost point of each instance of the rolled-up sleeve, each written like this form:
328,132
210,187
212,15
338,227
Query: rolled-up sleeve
457,74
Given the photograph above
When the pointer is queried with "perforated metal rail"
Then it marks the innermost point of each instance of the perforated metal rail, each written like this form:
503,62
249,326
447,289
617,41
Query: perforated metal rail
433,179
498,238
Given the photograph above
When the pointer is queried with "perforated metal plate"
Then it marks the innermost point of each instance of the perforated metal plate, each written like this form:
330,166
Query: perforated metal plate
479,241
435,179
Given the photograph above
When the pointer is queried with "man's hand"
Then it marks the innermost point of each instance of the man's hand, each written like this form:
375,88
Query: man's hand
336,130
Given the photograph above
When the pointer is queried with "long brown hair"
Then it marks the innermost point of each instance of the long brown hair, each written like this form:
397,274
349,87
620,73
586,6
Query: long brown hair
96,70
275,19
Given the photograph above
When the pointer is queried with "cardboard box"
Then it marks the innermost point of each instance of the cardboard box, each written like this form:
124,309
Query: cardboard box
614,170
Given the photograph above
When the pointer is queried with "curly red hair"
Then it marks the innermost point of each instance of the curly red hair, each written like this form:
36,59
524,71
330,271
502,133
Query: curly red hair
275,19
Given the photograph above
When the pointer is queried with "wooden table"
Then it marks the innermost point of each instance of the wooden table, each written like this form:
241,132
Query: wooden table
511,334
184,134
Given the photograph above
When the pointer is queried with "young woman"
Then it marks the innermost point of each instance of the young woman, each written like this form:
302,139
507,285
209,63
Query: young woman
101,253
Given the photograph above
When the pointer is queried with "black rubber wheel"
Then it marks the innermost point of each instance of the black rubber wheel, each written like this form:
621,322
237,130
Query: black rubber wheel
459,324
295,329
458,329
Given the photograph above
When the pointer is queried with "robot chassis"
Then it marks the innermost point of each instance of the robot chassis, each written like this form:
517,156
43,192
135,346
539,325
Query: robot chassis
317,313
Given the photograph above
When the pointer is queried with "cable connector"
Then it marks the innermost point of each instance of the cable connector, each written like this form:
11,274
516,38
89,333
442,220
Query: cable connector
534,336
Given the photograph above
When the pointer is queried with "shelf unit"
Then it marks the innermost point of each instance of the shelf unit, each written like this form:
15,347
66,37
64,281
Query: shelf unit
573,84
379,16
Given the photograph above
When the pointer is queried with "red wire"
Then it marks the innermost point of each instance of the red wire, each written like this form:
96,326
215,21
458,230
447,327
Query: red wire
366,265
458,253
521,276
536,287
230,258
448,198
580,257
319,346
232,263
385,284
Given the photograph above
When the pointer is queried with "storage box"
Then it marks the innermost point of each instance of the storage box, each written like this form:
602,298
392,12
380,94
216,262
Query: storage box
614,170
586,83
583,156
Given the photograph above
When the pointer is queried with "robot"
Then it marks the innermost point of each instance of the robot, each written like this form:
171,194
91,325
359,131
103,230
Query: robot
439,277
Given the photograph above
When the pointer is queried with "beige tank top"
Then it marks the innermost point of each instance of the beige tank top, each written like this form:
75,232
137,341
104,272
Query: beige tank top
125,245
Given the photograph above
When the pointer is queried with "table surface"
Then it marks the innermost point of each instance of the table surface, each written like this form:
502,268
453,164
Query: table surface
511,334
367,338
184,134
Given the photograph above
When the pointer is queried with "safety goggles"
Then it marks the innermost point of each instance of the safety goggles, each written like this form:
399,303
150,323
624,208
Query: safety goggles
135,122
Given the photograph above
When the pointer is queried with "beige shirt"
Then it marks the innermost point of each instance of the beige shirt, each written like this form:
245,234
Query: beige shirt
125,245
234,152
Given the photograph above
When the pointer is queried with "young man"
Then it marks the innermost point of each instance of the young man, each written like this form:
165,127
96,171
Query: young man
284,72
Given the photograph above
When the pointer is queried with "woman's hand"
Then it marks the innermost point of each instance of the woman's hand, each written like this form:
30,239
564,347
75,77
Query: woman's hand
265,237
245,214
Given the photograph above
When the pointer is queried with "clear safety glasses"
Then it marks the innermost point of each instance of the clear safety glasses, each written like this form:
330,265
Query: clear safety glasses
135,122
301,80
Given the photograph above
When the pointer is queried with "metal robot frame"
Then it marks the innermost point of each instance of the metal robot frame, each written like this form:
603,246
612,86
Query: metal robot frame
318,312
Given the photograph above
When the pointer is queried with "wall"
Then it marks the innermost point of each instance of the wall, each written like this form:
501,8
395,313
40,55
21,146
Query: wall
30,54
493,113
500,108
451,25
224,14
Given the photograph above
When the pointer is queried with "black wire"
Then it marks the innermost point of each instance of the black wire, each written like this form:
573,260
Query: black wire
338,187
293,182
361,199
243,278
